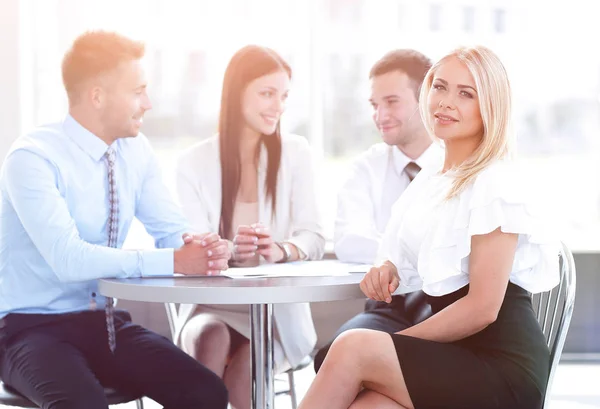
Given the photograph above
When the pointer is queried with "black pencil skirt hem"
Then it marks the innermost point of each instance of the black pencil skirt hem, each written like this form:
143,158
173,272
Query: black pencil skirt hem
505,366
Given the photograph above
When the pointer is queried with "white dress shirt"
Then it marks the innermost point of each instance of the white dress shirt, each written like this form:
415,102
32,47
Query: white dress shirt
297,219
376,181
428,237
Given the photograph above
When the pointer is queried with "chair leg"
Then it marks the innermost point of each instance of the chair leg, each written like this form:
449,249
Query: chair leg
292,389
139,403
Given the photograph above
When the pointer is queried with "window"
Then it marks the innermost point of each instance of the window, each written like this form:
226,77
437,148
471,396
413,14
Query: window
557,123
345,11
468,19
499,18
402,16
349,131
435,17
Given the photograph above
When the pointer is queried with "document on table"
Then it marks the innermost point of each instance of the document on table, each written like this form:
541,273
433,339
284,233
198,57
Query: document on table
321,268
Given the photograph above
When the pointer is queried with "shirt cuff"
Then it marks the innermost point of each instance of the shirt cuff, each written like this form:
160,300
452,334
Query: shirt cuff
301,245
301,254
158,262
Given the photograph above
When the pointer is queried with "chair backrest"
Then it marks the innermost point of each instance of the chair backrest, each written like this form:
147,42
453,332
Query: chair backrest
172,314
176,321
554,310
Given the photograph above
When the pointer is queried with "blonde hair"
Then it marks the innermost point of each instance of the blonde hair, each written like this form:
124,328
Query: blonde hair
493,89
94,53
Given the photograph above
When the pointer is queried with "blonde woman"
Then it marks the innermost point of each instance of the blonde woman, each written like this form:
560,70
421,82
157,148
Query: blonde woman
468,235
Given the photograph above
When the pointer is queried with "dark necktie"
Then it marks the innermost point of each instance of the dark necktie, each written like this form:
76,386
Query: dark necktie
113,231
411,170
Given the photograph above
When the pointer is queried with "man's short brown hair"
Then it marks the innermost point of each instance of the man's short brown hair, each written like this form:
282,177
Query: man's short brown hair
411,62
94,53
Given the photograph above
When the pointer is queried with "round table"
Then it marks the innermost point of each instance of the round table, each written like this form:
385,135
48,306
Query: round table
260,292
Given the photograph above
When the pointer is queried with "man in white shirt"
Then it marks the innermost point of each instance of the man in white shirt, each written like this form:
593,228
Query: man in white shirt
377,179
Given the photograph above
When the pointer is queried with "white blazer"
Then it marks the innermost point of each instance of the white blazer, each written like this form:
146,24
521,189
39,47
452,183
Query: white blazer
297,220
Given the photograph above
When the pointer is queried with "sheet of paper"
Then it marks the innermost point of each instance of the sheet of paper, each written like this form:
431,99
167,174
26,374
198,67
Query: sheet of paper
299,269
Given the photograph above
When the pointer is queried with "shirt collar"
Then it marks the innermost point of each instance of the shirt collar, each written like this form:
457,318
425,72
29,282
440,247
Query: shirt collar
431,157
86,140
399,160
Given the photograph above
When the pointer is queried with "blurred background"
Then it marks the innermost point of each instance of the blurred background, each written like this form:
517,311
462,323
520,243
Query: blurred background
331,45
549,49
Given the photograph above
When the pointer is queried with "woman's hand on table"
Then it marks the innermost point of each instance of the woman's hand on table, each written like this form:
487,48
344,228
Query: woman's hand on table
267,248
245,244
380,282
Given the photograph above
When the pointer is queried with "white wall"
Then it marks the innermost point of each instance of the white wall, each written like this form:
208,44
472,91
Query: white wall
10,114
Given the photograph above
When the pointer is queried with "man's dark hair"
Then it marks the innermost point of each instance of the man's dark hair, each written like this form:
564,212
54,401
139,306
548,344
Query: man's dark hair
411,62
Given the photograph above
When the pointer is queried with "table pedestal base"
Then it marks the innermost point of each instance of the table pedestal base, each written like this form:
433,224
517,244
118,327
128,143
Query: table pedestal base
261,347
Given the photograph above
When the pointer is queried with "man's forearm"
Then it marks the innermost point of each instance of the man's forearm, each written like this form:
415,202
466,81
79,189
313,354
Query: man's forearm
90,262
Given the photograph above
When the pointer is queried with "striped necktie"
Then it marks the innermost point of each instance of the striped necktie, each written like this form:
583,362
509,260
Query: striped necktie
113,232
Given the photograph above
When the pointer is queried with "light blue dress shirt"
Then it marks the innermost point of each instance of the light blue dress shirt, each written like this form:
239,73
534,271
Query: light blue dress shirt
54,213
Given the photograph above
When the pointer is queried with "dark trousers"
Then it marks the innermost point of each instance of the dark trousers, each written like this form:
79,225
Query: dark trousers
62,361
404,311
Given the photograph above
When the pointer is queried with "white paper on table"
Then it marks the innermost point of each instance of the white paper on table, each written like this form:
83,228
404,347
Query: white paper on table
322,268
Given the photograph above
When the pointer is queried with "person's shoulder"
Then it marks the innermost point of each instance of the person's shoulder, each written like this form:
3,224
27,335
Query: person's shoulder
504,179
39,147
295,149
502,171
292,141
376,151
200,154
204,147
44,141
375,154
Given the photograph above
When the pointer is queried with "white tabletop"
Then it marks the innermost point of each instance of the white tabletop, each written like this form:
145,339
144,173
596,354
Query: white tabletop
225,290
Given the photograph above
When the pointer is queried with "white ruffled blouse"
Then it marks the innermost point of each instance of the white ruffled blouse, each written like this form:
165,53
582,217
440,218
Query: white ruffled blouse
428,237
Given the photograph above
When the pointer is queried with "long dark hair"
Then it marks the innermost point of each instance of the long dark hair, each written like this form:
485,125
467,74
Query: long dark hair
246,65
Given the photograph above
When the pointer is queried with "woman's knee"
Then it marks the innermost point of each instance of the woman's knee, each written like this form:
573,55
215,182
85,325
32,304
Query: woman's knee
353,341
205,332
355,347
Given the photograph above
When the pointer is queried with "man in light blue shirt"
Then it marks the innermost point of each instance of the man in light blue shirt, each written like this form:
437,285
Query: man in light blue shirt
69,192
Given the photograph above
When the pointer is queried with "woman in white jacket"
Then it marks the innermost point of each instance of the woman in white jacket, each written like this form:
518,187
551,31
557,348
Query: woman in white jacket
255,187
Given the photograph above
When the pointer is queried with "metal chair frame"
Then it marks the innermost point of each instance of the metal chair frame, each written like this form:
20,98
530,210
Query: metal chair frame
10,397
554,310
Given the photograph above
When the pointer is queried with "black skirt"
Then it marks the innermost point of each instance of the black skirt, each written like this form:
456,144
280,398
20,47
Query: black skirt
504,366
